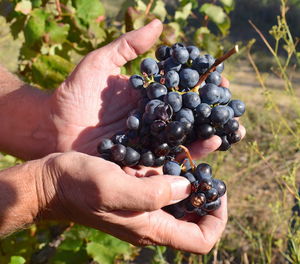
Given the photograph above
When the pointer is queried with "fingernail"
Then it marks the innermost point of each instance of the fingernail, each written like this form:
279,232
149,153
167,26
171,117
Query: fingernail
181,189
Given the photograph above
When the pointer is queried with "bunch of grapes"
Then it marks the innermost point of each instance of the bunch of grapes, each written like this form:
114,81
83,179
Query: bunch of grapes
181,102
206,191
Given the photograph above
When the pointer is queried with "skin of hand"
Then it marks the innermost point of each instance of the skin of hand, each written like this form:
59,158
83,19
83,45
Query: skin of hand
97,193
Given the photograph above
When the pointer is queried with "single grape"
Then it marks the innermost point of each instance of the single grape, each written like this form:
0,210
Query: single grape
220,67
105,145
203,171
163,112
161,149
231,126
171,79
205,184
190,100
205,131
132,157
185,113
156,90
211,60
177,45
200,212
174,130
171,65
137,81
188,77
231,113
238,107
234,137
118,152
225,145
225,95
194,52
172,168
220,186
162,53
200,64
159,161
215,78
149,67
133,122
211,194
188,127
176,210
174,99
219,115
210,93
190,176
147,159
203,110
212,206
158,126
180,55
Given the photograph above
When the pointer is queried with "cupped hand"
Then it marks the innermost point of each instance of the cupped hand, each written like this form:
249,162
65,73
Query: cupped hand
97,193
94,102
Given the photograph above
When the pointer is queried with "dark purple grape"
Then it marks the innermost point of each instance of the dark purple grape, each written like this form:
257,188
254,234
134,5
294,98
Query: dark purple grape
133,122
174,130
163,112
132,157
188,77
176,210
161,149
215,78
211,194
231,126
185,113
159,161
174,99
225,95
200,212
171,79
137,81
156,90
211,60
172,168
203,171
220,186
219,115
234,137
151,105
231,113
190,100
188,127
180,55
177,45
190,176
197,200
162,53
193,51
210,94
205,131
225,145
203,110
238,107
205,184
149,67
147,159
158,126
118,152
105,145
200,64
171,65
212,206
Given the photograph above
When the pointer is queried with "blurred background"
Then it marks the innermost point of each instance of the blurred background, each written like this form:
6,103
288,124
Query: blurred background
42,40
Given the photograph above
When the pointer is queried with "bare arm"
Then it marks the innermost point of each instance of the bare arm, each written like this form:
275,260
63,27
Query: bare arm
24,117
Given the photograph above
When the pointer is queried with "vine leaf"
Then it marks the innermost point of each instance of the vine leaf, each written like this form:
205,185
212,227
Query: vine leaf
57,32
49,71
214,13
35,27
24,7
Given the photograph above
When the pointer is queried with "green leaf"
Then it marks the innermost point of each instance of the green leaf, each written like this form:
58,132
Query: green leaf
193,2
214,13
36,3
50,71
17,260
35,27
184,13
57,32
159,10
24,7
225,26
228,5
88,11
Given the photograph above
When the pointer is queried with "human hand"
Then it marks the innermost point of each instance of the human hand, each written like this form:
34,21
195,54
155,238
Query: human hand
94,102
97,193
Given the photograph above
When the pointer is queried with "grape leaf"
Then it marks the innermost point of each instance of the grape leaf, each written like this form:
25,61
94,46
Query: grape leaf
57,32
228,5
87,11
35,27
17,260
50,71
24,7
184,13
214,13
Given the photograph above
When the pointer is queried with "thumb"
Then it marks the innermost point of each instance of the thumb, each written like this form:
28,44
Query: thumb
130,45
149,193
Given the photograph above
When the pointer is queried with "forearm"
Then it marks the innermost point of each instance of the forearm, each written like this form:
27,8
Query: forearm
19,204
25,119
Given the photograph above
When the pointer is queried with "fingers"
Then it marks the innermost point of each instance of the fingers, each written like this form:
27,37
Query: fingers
125,192
224,82
131,44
